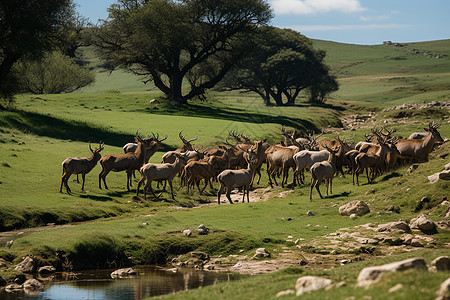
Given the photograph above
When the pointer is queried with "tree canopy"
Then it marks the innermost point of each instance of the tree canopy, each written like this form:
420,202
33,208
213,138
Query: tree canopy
281,64
27,28
174,42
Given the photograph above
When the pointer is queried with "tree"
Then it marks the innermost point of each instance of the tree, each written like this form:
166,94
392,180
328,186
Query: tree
282,64
321,88
170,42
55,73
27,28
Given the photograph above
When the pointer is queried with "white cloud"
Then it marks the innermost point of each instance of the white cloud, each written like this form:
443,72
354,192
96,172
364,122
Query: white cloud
371,18
312,28
305,7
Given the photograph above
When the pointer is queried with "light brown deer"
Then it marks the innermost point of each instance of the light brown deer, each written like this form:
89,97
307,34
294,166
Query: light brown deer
129,161
195,171
324,170
77,165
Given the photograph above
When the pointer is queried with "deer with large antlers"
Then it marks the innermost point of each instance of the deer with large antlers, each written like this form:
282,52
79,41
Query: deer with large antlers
129,161
419,149
77,165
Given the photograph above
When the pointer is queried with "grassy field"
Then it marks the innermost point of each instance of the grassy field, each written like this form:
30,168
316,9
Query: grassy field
43,130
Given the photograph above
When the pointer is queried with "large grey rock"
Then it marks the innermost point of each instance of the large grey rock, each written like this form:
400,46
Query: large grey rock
14,287
200,255
123,273
424,224
398,226
307,284
354,207
26,266
444,291
261,253
442,263
370,275
32,287
47,270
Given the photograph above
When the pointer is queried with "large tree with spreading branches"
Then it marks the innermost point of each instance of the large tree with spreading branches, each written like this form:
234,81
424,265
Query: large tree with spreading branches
177,43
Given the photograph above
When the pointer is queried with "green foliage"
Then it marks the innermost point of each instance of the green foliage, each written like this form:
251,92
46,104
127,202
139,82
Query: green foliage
194,40
55,73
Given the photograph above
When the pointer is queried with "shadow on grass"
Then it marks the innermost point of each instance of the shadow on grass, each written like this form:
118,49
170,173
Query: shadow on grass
343,194
389,176
44,125
96,198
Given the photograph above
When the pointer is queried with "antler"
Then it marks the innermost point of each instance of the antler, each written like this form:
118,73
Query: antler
90,147
434,125
157,137
183,139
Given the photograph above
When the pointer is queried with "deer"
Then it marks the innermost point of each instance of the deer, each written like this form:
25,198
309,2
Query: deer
344,147
304,159
195,171
169,157
280,157
366,161
77,165
324,170
229,179
223,161
259,148
163,171
419,149
129,161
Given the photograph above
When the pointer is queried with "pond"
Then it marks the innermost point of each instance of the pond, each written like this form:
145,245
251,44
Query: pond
98,285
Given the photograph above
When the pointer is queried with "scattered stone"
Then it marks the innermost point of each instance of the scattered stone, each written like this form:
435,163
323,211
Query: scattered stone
444,224
444,175
303,262
416,243
354,207
123,273
32,287
26,266
261,253
154,101
444,291
370,275
423,223
442,263
285,293
394,208
200,255
345,261
209,267
310,213
46,270
398,226
2,263
187,232
202,229
307,284
353,216
172,270
369,192
396,287
412,168
14,287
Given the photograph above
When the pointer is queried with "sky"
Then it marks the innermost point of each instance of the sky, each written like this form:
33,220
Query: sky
365,22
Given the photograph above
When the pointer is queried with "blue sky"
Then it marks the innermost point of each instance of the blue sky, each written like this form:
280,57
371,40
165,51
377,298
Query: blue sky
365,22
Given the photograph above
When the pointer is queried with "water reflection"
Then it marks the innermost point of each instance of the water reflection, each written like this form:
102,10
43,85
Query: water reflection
98,285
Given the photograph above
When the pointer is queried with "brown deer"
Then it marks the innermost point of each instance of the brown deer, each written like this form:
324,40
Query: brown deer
77,165
129,161
324,170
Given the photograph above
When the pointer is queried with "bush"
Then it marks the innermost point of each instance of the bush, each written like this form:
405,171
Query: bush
55,73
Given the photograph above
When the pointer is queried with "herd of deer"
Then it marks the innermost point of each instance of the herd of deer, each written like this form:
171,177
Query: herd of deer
237,165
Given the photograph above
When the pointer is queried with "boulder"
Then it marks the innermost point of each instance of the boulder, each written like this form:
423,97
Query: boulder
187,232
14,287
123,273
32,287
46,270
371,275
26,266
399,226
424,224
261,253
307,284
200,255
444,291
354,207
442,263
202,229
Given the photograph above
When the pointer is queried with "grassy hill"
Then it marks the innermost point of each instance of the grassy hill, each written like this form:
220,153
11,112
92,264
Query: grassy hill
43,130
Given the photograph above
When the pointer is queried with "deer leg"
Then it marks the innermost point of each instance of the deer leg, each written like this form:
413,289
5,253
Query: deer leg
102,176
62,182
171,189
331,185
268,174
229,194
317,188
367,174
219,192
326,185
83,175
140,182
248,194
313,182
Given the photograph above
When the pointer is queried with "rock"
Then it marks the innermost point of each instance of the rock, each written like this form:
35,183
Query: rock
394,208
307,284
395,288
354,207
444,291
424,224
285,293
2,263
416,243
261,253
14,287
353,216
32,287
444,224
202,229
26,266
46,270
399,226
187,232
154,101
442,263
209,267
412,168
445,175
370,275
200,255
123,273
310,213
433,178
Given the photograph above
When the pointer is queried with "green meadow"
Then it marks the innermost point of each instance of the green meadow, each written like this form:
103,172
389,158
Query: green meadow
99,226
